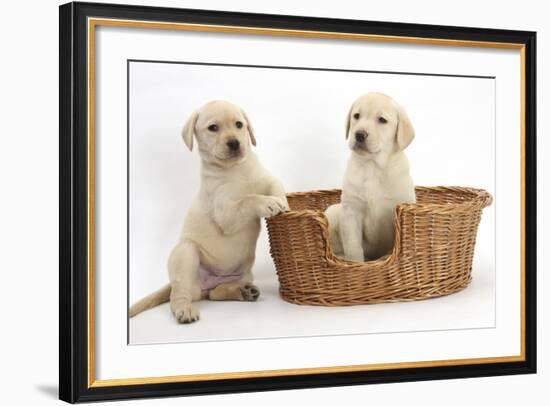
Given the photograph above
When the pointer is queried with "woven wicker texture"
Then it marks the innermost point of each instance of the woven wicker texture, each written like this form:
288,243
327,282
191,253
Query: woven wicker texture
432,254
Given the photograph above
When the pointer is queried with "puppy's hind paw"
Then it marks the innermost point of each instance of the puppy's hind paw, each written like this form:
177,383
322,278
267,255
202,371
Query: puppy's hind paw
187,314
250,292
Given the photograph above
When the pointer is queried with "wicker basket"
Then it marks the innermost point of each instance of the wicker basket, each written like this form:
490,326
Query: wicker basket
432,254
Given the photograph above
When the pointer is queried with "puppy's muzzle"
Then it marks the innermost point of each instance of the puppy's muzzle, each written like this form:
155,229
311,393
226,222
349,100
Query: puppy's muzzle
233,145
361,136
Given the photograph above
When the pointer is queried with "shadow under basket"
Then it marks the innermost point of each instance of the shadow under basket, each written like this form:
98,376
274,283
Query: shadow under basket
432,254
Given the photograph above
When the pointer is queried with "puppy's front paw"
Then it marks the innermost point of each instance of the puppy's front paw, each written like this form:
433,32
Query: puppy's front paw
269,206
356,257
250,292
186,313
284,202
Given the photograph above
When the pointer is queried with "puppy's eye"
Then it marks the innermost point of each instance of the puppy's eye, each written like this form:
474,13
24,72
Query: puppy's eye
382,120
213,127
356,116
239,124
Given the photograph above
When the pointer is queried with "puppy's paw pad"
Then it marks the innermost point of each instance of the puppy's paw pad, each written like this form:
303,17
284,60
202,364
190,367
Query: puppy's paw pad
187,315
250,292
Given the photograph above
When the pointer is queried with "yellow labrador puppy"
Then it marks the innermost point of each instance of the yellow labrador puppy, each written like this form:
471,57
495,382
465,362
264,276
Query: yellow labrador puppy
216,252
377,179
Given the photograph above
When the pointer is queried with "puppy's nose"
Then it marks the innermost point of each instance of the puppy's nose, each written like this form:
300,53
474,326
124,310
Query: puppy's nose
360,136
233,144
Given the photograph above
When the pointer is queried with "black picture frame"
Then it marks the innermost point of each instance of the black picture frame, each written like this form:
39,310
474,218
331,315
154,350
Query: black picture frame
74,385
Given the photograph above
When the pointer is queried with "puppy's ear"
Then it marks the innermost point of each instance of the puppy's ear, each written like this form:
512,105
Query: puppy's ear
249,128
189,130
348,120
405,130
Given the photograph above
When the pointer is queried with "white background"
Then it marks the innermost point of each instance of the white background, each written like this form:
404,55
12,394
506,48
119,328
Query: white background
298,117
29,215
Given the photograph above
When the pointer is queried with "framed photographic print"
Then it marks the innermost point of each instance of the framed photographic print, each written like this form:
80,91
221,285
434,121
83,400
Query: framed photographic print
256,202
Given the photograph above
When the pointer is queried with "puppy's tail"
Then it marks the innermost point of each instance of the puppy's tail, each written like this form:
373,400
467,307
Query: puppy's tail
154,299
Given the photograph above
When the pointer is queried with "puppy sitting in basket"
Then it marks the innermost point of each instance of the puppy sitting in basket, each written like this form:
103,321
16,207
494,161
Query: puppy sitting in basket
377,179
214,257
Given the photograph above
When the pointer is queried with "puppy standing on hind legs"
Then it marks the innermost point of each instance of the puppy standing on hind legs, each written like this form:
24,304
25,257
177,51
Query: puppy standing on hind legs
216,252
